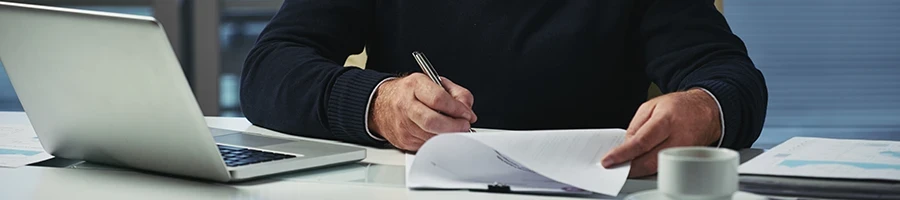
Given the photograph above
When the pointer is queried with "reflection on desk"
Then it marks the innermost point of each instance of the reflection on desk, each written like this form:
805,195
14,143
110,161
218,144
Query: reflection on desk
354,174
61,183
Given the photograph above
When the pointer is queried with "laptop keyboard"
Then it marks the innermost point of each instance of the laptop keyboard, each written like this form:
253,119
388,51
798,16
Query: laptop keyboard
237,156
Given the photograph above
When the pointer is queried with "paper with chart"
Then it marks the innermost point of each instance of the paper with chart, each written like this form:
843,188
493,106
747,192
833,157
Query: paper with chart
19,146
526,161
829,158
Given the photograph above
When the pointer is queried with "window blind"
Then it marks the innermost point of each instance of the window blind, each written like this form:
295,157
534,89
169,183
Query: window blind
827,63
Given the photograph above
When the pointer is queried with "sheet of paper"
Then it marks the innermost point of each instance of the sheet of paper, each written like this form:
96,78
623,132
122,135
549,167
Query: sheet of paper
463,163
829,158
19,146
534,161
567,156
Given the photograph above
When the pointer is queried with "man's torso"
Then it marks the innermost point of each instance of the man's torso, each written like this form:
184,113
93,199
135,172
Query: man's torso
536,64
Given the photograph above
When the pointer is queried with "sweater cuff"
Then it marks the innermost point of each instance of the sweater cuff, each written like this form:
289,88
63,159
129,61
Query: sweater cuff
730,110
373,136
721,117
347,105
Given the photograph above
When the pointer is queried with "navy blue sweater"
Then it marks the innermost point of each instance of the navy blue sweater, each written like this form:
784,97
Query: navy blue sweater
531,64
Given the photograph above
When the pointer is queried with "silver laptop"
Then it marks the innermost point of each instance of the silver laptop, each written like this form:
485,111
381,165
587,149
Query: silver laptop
108,88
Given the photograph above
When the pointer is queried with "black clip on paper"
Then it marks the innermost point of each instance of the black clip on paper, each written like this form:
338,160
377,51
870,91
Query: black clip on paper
498,187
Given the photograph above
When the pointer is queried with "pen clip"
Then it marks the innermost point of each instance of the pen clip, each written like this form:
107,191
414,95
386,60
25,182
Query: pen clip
426,66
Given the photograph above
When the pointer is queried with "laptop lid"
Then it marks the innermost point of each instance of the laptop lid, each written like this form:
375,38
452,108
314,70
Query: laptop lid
106,88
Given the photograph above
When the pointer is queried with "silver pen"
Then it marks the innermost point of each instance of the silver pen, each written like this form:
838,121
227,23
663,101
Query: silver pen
429,71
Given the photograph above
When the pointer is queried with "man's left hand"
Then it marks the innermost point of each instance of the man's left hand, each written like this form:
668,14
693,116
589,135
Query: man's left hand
687,118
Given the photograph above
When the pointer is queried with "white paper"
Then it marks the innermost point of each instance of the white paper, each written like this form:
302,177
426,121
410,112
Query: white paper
829,158
19,146
533,161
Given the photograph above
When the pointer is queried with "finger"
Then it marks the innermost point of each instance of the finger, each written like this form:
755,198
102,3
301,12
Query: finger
414,131
643,114
433,122
460,93
437,99
408,138
410,143
648,163
640,117
647,137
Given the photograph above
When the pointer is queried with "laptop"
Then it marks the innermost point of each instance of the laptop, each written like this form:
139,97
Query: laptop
108,88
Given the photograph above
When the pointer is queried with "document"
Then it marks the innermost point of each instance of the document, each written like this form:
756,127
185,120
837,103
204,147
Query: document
19,146
553,161
829,158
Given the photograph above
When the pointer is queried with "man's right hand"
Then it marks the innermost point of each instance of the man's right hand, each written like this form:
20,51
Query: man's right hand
410,110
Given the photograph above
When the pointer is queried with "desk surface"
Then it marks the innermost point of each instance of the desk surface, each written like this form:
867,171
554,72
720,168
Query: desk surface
381,176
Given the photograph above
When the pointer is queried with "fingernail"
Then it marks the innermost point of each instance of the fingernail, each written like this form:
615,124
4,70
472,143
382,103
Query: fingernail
607,162
467,115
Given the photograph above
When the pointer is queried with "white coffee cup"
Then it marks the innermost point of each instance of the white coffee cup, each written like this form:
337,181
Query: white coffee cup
698,173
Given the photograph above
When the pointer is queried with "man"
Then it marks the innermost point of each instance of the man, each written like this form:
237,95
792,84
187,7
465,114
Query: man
533,64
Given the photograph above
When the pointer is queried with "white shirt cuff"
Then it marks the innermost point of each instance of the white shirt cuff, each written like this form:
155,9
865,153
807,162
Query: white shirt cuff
369,105
721,116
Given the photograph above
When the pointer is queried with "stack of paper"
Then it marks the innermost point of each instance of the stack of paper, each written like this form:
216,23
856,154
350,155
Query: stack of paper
19,146
826,168
829,158
522,161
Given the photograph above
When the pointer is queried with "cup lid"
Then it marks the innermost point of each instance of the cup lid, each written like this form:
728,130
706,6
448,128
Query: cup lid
698,154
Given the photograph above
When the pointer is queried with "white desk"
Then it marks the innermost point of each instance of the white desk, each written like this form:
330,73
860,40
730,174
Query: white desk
382,179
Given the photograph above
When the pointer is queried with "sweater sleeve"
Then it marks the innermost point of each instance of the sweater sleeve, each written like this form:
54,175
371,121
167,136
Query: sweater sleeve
293,80
689,44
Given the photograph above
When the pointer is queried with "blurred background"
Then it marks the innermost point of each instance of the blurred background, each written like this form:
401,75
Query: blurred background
832,66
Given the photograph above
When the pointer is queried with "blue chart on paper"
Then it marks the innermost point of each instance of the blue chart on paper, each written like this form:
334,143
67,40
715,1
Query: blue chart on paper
895,154
18,152
800,163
